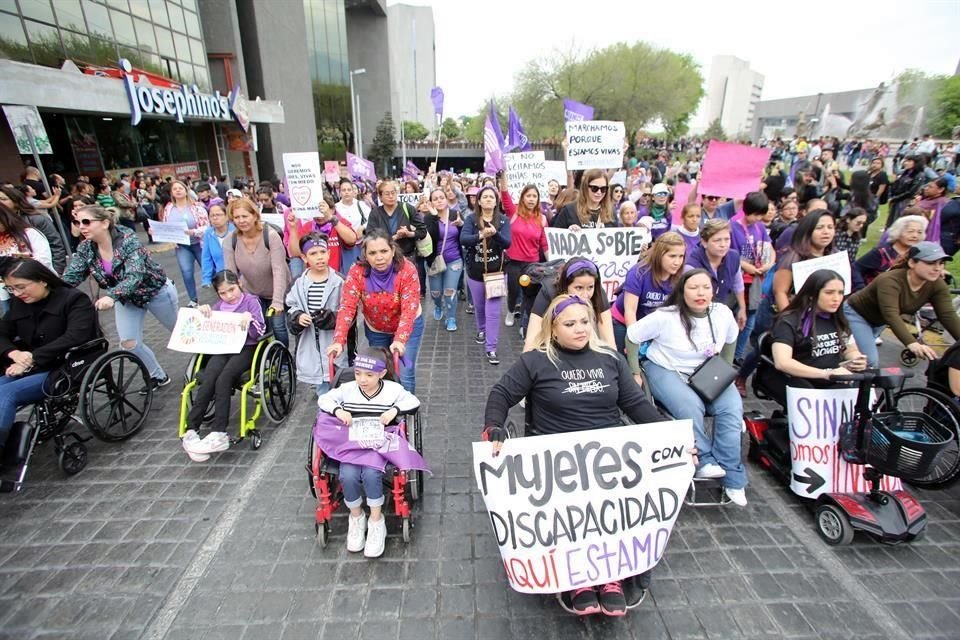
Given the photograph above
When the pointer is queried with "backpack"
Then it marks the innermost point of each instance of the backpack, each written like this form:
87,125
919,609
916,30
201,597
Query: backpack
266,239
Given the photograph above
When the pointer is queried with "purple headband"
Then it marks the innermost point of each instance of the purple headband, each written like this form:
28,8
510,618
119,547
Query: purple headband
566,302
310,244
577,265
366,363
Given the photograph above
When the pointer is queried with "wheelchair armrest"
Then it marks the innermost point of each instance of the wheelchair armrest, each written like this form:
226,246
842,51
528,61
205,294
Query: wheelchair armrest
96,344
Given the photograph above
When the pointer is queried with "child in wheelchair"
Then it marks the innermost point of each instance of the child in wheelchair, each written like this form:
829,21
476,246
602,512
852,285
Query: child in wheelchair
365,406
222,372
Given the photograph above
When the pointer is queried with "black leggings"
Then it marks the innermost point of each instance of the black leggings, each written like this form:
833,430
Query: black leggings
514,269
216,382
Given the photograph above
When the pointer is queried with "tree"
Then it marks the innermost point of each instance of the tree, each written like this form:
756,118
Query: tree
334,117
945,108
384,144
449,129
715,131
414,130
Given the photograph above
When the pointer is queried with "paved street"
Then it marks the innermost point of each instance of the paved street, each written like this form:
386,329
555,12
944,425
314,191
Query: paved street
146,544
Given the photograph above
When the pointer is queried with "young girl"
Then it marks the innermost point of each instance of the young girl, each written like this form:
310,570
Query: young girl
689,228
221,373
312,304
369,395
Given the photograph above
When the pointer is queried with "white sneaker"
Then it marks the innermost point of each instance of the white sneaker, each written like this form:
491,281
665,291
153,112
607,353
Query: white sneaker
189,441
710,471
878,341
509,319
213,442
376,538
737,496
356,531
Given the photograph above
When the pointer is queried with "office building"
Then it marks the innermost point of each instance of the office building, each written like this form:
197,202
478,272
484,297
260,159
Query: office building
732,92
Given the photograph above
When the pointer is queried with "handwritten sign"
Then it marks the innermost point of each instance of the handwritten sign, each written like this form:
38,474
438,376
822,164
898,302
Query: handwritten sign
366,430
528,167
601,508
595,144
839,262
732,170
25,122
220,333
305,183
556,170
815,416
331,171
613,250
175,232
412,199
360,168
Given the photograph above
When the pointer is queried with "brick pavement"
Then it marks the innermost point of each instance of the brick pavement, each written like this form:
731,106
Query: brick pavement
146,544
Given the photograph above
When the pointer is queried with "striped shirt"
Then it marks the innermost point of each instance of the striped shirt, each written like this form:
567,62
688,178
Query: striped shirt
351,398
315,293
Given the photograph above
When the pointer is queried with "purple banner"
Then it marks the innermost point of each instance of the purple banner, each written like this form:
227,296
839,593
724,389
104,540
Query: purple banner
573,110
492,149
436,96
333,438
517,139
360,168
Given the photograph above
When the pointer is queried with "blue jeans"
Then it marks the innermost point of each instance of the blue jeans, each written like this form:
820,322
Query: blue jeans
17,392
129,319
296,267
321,388
408,374
278,323
865,334
354,479
187,255
682,402
443,288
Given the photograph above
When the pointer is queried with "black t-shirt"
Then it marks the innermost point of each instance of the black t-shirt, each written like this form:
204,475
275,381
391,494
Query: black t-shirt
823,349
938,372
567,217
549,291
877,181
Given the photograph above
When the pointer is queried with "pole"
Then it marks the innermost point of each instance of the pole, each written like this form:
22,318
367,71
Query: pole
403,143
436,158
46,185
416,88
359,129
354,112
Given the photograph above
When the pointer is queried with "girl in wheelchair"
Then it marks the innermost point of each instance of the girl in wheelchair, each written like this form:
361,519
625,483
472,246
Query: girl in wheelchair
369,395
222,372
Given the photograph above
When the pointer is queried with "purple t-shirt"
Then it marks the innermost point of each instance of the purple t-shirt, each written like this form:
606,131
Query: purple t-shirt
449,234
248,303
640,282
747,240
107,266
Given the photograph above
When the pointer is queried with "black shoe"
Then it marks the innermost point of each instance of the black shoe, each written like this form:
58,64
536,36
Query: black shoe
584,601
469,310
480,338
156,383
462,295
635,589
492,357
611,598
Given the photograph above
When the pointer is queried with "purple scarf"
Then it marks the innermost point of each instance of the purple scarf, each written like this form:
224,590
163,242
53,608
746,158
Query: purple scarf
332,436
936,206
378,281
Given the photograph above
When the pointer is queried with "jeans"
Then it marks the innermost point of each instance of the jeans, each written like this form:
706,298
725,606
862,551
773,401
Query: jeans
296,267
278,322
129,319
443,288
682,402
487,313
17,392
354,478
408,363
865,334
321,388
187,255
216,383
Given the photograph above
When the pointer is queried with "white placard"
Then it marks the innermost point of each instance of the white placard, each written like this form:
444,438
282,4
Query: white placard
556,170
304,182
613,250
595,144
601,508
620,178
221,333
275,219
815,417
175,232
527,167
412,199
366,429
25,121
839,262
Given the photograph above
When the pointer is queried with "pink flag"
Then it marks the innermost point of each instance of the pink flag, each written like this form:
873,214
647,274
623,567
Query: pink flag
732,170
681,193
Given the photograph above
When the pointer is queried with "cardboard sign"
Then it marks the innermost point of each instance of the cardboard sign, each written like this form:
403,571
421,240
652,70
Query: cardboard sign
360,168
584,508
528,167
305,183
175,232
331,171
556,170
839,262
681,194
815,416
220,333
595,144
613,250
732,170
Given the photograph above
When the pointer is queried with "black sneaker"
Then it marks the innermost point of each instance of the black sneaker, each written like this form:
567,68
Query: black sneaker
480,338
612,601
635,589
469,309
584,601
156,383
492,357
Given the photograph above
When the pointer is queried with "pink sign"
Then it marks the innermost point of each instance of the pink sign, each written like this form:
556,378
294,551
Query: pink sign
732,170
331,171
681,193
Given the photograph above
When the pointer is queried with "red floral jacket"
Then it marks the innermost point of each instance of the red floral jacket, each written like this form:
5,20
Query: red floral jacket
392,313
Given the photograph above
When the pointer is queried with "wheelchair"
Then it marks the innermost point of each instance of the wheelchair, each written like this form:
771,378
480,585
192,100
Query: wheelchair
271,384
111,390
402,489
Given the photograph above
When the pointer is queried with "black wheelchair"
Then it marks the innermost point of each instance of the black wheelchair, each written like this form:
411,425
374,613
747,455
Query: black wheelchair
110,390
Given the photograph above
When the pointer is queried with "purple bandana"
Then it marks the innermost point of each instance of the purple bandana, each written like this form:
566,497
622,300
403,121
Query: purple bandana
310,244
578,265
566,303
366,363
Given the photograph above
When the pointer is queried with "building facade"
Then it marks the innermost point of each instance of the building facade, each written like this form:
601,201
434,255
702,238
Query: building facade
732,92
802,115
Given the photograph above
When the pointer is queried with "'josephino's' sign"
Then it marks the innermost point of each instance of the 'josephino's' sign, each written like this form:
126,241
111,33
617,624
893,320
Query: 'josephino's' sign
183,103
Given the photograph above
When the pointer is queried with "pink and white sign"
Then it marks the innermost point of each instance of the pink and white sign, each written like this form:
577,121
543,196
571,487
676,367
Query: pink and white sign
732,170
304,183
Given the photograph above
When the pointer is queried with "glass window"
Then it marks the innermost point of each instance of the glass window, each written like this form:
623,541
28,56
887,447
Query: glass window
13,45
189,4
183,46
165,43
154,147
77,46
121,152
38,10
186,74
193,24
145,35
69,15
182,142
119,4
176,18
44,43
159,12
9,5
98,21
123,27
202,78
140,9
196,52
103,52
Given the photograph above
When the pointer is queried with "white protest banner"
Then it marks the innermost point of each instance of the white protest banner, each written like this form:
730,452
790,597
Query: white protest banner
220,333
620,178
305,183
412,199
839,262
527,167
815,417
613,250
556,170
175,232
596,144
584,508
276,219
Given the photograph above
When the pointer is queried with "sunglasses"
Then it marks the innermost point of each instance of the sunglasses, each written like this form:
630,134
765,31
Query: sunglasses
84,222
595,189
711,197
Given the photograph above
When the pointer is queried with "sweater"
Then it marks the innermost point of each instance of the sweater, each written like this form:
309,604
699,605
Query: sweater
247,304
672,349
384,312
212,254
354,401
263,272
477,262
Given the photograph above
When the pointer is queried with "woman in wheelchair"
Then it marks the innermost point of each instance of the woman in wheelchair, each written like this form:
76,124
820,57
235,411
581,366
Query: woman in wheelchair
368,395
810,342
46,318
222,372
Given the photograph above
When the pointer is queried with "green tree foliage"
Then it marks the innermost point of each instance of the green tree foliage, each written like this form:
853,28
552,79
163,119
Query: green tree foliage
715,131
414,130
945,108
450,129
334,119
473,130
384,144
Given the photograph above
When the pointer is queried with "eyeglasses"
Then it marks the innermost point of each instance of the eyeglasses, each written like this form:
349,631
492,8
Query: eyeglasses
597,189
17,288
711,197
85,222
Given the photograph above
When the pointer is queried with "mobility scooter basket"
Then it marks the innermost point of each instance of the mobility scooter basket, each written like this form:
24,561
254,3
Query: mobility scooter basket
900,444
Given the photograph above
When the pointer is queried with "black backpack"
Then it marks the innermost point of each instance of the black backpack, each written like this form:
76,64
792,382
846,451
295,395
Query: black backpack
266,239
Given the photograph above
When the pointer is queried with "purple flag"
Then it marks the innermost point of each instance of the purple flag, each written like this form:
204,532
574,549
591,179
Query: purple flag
517,138
411,171
492,151
495,122
436,96
573,110
358,167
333,437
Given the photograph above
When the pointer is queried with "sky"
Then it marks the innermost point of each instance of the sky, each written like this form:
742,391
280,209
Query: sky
846,45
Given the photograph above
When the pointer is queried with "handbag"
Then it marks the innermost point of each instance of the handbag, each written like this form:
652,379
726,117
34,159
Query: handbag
439,265
494,282
714,374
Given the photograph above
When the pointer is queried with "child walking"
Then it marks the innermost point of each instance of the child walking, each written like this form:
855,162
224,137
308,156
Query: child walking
222,372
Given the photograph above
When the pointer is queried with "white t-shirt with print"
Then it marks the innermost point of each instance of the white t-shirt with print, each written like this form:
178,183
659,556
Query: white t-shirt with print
352,213
671,349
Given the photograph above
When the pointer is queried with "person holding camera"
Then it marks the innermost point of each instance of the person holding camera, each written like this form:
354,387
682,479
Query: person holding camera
312,308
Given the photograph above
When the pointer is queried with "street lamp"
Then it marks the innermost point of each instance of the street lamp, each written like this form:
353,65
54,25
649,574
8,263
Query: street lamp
355,108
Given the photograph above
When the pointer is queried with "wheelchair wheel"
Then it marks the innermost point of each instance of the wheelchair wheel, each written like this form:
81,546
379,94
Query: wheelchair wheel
405,531
278,382
323,533
938,405
415,478
309,467
908,358
116,395
73,458
833,525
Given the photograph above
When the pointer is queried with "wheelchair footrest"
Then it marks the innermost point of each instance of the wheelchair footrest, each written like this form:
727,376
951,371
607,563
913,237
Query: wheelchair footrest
706,492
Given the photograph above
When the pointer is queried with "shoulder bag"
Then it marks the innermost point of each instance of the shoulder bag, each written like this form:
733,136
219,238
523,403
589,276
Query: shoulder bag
439,265
494,282
714,375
